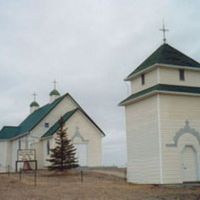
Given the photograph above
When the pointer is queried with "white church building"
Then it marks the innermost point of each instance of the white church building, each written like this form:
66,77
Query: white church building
38,129
163,119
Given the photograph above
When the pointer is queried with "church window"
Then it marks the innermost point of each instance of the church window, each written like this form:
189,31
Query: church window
143,79
46,125
48,147
19,144
26,143
181,74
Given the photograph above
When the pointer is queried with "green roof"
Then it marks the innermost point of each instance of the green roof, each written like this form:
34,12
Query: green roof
55,127
54,92
162,88
34,103
33,119
166,54
8,132
30,122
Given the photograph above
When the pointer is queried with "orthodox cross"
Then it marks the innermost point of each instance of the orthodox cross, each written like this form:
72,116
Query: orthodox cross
54,84
164,30
34,96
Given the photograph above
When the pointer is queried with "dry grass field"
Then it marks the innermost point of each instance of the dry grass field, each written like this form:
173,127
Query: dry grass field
95,186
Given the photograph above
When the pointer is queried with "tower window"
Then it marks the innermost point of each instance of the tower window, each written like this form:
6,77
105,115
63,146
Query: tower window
143,79
181,74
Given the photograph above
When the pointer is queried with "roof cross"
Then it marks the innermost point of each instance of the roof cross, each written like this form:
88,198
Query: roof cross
164,30
54,84
34,96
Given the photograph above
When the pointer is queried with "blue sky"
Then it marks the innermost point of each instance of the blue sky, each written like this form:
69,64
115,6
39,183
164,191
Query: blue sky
89,47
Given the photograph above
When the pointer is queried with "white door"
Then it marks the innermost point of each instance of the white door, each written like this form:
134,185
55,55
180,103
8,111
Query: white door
189,164
81,154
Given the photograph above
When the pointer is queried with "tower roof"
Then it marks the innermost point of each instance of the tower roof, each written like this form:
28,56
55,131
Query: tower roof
166,54
54,92
34,103
162,88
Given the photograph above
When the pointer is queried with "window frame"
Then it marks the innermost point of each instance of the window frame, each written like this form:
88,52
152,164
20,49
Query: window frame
143,79
182,74
46,124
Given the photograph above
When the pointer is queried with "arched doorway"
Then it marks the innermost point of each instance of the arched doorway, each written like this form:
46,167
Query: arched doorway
189,164
81,154
81,146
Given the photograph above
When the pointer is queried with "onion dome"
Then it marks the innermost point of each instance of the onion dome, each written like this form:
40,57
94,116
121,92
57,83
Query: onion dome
54,92
34,104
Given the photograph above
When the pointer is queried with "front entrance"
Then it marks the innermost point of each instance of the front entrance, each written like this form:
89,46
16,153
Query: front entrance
189,164
81,154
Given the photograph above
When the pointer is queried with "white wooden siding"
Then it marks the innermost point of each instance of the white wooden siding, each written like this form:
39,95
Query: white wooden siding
150,80
171,76
174,111
3,153
143,142
91,135
165,75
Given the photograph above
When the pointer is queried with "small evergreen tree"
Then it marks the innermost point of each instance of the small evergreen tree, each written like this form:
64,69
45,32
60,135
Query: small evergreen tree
62,157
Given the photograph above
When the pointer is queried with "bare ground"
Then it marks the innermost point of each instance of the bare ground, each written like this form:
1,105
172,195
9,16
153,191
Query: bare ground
95,186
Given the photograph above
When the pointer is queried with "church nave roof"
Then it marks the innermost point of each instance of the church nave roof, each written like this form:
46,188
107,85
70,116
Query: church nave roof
30,122
10,132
